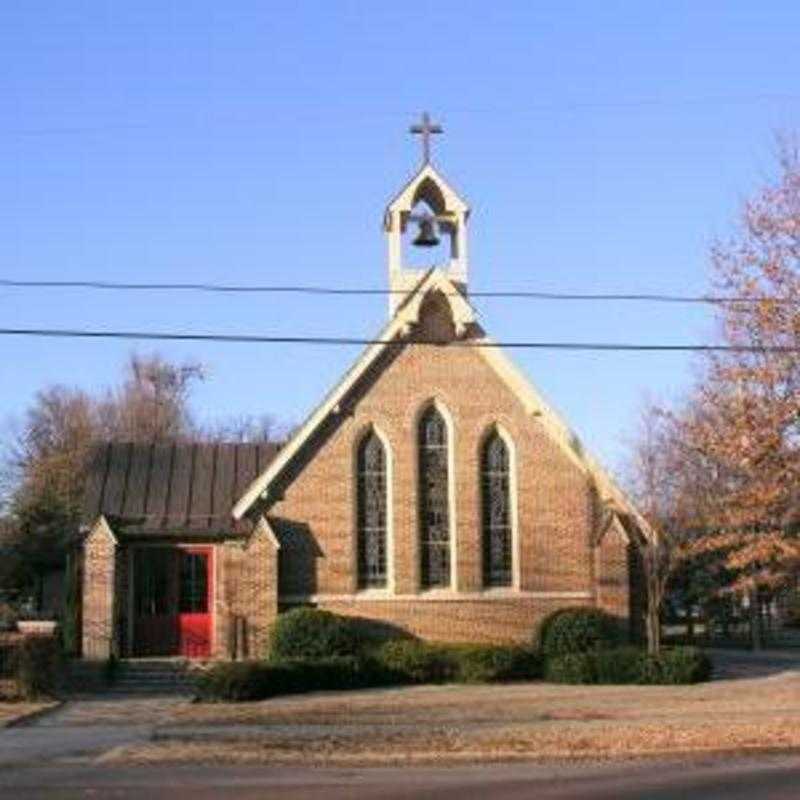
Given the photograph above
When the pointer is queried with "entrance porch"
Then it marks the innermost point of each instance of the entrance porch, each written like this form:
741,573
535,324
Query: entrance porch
171,601
166,597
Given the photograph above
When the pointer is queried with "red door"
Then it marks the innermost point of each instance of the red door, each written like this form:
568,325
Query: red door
194,601
173,590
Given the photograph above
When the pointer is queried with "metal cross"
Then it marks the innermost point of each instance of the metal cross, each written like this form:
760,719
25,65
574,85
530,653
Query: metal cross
425,129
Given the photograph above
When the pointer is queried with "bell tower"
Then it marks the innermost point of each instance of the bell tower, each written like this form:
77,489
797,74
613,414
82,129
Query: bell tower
428,202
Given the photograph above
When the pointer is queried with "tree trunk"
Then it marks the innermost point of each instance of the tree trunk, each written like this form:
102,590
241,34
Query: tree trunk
653,626
755,621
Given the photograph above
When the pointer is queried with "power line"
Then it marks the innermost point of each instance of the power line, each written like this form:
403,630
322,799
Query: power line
650,297
341,340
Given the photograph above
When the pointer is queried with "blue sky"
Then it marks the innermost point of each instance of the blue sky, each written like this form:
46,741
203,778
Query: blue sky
602,147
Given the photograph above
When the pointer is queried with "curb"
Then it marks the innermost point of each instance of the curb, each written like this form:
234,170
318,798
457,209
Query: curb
31,716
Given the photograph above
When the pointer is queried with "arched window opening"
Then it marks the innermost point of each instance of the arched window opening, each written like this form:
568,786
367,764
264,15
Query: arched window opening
424,246
434,503
496,495
372,512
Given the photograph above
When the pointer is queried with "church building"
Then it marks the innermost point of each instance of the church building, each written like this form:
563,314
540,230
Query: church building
432,489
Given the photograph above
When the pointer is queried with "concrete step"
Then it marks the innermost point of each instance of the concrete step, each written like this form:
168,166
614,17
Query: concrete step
148,691
156,676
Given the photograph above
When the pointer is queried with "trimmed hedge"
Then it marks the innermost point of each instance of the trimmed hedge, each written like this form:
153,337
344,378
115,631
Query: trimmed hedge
681,665
395,663
259,680
630,665
37,665
312,633
413,661
578,630
495,663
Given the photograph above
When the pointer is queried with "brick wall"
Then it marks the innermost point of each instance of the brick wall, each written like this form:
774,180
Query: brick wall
247,595
613,587
99,578
315,515
459,619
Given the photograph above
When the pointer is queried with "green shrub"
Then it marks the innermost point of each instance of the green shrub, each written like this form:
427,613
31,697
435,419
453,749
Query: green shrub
578,630
681,665
495,663
623,665
234,681
312,633
413,661
630,665
38,667
393,663
259,680
570,668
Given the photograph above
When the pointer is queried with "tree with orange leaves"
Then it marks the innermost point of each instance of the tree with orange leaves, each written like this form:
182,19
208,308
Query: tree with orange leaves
743,424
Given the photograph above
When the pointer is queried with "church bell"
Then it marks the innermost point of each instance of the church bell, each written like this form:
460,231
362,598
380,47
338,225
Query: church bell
427,233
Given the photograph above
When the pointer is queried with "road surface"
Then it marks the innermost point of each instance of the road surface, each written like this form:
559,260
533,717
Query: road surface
766,778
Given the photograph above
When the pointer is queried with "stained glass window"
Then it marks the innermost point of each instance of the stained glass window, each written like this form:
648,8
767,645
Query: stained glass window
496,495
434,503
371,513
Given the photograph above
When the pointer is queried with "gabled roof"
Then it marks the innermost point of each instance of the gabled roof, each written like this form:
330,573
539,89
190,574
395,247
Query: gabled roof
160,489
394,333
397,329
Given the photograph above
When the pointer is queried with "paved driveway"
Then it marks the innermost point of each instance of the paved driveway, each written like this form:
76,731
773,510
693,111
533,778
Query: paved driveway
84,726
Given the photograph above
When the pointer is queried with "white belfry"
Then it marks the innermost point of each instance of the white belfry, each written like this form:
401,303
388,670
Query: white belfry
450,215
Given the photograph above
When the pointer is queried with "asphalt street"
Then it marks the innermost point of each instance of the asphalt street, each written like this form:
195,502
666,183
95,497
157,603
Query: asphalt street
765,778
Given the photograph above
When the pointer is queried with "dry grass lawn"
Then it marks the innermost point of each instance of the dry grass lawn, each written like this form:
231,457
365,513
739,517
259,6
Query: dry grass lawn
451,724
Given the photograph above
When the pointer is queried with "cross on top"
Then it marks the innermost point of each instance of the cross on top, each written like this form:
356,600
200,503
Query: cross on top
426,129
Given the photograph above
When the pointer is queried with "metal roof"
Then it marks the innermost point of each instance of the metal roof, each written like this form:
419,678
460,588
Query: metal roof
179,489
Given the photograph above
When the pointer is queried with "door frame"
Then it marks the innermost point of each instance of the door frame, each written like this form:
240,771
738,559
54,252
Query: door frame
212,576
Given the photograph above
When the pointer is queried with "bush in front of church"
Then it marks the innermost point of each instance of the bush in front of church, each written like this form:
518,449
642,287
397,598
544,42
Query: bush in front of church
37,665
630,665
414,661
578,630
312,633
241,681
488,663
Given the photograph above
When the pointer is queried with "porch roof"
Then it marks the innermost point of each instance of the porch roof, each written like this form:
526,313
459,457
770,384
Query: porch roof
180,489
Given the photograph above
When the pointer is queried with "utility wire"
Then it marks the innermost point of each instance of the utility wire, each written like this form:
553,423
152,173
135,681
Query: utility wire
333,290
341,340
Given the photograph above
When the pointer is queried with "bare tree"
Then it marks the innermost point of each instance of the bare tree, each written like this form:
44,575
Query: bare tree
659,485
152,403
48,455
244,428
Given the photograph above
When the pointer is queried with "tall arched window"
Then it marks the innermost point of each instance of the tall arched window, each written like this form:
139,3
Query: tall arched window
372,513
434,505
496,496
